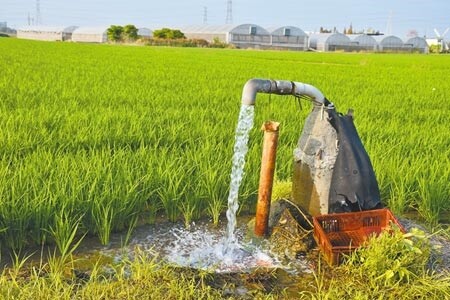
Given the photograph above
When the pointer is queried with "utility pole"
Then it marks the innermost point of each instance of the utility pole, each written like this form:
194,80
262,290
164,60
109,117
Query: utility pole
205,15
389,24
229,19
38,18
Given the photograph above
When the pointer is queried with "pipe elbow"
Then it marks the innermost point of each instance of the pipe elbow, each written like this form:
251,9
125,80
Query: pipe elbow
310,91
280,87
252,87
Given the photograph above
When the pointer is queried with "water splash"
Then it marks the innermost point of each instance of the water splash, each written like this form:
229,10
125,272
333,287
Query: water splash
245,124
203,248
224,252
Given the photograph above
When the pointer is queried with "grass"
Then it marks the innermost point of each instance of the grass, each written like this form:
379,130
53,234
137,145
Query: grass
392,266
116,133
139,278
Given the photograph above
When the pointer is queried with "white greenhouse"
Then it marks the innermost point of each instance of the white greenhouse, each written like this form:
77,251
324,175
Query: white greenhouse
145,32
389,43
46,33
417,44
289,37
242,36
363,42
329,41
90,34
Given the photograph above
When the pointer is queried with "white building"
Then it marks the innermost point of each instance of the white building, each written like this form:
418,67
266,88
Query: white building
46,33
241,36
289,37
329,41
389,43
90,34
145,32
363,42
417,44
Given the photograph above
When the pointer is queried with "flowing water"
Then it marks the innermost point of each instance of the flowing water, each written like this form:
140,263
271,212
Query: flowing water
245,124
225,251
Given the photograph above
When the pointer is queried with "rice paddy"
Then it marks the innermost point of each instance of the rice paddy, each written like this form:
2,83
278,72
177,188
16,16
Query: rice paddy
97,138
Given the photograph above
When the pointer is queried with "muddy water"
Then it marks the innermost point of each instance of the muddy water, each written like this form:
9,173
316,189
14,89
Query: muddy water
200,247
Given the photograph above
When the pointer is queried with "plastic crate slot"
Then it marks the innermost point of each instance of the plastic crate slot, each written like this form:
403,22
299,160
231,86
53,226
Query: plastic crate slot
371,221
331,225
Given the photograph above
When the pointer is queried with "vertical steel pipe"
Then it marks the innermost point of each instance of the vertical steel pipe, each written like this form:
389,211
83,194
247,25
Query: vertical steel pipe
269,153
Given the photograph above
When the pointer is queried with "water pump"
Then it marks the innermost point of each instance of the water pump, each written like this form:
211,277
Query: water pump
332,170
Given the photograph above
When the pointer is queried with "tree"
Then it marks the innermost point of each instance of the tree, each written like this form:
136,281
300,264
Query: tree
167,33
115,33
130,32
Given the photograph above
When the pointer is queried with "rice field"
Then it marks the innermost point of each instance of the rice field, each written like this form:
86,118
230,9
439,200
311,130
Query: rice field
97,138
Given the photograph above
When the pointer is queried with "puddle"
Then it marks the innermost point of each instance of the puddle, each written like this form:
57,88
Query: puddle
202,246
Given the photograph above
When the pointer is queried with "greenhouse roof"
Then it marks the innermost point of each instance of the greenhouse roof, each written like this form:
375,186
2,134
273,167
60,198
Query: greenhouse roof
221,29
336,37
294,31
91,30
52,29
388,39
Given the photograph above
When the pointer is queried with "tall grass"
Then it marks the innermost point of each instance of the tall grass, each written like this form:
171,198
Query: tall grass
392,266
113,134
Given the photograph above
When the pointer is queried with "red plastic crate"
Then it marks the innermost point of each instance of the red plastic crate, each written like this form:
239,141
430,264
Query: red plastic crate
336,234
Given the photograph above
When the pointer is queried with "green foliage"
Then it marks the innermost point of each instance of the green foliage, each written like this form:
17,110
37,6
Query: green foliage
392,266
167,33
75,137
437,49
281,189
140,278
115,33
130,32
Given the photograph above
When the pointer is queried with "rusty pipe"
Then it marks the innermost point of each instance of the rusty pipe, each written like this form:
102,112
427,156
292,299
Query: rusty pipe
280,87
269,153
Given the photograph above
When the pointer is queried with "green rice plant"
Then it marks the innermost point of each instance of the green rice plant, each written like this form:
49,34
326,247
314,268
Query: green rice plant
400,196
433,197
212,182
101,139
391,266
172,190
103,215
64,233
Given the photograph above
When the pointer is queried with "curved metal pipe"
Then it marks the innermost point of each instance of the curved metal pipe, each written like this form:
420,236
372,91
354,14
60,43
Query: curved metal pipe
280,87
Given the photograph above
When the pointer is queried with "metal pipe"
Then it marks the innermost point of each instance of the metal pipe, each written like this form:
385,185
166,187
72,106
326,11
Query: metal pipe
269,154
280,87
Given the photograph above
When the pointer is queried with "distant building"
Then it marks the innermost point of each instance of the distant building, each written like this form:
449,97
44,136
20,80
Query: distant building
390,43
46,33
289,37
241,36
91,34
145,32
416,44
363,42
432,42
329,42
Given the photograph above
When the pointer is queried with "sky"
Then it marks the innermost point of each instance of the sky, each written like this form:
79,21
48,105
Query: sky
389,16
